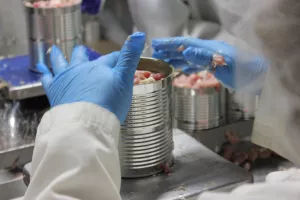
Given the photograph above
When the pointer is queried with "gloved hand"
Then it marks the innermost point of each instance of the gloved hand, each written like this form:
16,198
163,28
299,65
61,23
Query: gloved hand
91,6
197,53
107,81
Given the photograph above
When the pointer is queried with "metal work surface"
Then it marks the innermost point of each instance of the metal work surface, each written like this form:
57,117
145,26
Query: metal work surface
22,82
196,169
11,185
214,137
18,125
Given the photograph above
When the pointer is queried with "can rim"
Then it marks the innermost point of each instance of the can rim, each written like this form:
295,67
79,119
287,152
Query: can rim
28,4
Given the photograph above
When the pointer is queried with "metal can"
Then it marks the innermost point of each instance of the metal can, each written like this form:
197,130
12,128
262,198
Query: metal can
61,26
196,111
146,140
241,106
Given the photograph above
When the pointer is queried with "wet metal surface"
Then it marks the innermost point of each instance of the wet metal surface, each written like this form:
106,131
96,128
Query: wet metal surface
196,169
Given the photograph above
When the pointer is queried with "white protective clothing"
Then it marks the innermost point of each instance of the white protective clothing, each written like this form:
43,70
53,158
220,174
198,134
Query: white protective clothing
277,124
76,155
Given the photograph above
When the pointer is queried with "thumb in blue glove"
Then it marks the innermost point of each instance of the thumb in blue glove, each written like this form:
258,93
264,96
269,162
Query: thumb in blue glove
107,81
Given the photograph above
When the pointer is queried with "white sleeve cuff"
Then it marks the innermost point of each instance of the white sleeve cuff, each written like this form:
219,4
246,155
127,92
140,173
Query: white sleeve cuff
88,113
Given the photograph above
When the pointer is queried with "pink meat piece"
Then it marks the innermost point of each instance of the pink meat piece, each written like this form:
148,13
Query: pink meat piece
142,76
232,138
265,153
192,79
198,81
228,152
247,166
52,3
136,81
253,154
219,60
157,76
166,168
240,158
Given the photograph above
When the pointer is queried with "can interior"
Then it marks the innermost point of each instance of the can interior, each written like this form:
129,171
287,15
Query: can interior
156,66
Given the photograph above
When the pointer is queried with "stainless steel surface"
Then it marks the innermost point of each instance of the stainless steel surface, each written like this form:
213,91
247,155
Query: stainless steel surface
25,91
11,185
61,26
196,170
195,111
146,142
18,125
214,137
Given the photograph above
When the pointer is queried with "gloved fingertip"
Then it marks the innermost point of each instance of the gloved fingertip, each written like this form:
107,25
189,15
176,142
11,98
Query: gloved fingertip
190,51
55,52
198,56
170,44
58,60
43,68
138,34
80,48
46,81
137,40
54,49
116,54
158,54
47,75
79,55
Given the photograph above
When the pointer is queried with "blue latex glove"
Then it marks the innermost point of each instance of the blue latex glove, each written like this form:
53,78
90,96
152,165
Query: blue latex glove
90,6
199,53
107,81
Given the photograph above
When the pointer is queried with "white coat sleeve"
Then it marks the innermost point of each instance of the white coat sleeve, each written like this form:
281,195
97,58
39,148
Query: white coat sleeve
278,186
76,155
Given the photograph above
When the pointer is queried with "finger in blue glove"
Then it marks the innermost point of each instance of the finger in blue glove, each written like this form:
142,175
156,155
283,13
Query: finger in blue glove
173,43
106,81
47,76
79,56
192,70
162,55
58,61
225,74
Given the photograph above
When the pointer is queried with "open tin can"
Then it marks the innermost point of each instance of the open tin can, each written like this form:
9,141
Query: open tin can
146,140
61,25
197,110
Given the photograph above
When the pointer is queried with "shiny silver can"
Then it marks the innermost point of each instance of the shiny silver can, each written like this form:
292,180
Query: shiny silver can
241,106
196,111
61,26
146,140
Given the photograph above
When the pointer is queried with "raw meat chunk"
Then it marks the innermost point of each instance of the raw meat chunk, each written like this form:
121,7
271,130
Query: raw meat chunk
197,81
144,77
